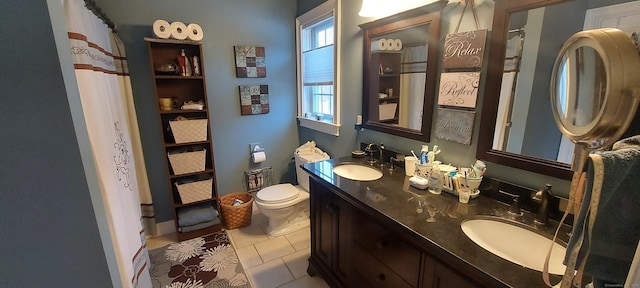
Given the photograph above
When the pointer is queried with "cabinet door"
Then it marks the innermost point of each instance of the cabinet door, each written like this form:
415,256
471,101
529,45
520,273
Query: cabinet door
325,221
343,245
331,233
438,275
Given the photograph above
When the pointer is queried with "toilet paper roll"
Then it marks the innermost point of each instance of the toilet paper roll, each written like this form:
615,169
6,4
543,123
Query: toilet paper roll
178,30
258,157
396,45
194,32
380,45
161,29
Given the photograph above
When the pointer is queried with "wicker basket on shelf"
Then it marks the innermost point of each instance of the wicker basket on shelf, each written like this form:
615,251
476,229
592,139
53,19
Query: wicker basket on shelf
194,191
188,162
185,131
239,215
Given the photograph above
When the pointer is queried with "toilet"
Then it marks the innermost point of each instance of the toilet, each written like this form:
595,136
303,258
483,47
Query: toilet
285,205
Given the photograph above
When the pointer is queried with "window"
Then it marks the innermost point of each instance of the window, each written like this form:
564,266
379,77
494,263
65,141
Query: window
318,90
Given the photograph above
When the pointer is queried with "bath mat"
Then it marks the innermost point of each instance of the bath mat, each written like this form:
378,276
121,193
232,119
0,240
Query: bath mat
203,262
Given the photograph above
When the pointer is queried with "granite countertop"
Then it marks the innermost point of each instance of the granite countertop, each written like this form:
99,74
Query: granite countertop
393,198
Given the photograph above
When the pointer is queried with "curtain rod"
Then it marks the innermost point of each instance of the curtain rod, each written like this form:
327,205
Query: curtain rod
91,5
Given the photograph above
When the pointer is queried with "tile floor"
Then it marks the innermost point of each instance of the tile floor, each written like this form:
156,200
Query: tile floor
270,262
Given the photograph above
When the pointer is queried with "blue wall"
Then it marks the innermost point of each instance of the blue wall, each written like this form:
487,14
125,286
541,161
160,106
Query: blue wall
50,234
268,23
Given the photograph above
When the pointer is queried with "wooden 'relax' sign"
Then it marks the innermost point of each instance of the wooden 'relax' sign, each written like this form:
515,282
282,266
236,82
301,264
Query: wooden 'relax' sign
464,49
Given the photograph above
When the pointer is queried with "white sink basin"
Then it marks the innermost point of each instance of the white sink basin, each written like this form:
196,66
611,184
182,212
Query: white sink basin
515,243
357,172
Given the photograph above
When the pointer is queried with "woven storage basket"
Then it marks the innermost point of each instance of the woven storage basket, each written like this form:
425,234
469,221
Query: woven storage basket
236,216
194,191
187,162
189,130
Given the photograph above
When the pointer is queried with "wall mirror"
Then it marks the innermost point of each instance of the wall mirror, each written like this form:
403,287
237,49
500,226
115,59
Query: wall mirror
595,90
518,128
400,67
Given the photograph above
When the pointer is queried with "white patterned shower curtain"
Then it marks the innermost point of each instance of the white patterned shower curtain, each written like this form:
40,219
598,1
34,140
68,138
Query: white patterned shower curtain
109,114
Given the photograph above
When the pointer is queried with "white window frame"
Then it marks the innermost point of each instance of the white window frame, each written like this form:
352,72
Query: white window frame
326,9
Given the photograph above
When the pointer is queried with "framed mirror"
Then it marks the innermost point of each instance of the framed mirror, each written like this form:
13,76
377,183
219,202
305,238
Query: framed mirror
518,128
400,62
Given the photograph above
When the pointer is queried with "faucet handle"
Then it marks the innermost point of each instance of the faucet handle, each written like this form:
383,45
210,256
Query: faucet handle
515,208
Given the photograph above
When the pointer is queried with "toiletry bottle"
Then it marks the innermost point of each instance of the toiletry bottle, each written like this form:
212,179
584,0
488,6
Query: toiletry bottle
196,66
182,61
424,155
435,180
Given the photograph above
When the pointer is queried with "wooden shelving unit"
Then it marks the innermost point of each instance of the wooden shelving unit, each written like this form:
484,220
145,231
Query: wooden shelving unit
182,89
386,80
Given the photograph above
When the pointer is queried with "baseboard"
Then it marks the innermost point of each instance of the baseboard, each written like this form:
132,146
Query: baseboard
166,227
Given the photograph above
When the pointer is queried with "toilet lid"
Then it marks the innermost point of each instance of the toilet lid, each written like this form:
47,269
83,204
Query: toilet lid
278,193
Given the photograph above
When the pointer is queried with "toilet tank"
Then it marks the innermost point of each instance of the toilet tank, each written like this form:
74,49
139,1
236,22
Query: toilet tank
304,157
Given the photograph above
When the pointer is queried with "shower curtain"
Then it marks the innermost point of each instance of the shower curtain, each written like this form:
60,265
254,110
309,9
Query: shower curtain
412,82
106,102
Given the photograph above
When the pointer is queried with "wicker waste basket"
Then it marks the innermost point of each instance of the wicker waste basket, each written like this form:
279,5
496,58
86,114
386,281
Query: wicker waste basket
239,215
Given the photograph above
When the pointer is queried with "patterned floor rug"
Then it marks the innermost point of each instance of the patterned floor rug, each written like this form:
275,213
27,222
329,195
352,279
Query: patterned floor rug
203,262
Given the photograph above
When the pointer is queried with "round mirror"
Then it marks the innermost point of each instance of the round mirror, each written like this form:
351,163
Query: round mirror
594,91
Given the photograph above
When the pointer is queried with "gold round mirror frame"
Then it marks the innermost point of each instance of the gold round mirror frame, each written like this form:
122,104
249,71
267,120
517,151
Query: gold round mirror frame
621,64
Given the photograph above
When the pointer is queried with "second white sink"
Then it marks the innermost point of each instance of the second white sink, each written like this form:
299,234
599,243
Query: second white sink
357,172
515,243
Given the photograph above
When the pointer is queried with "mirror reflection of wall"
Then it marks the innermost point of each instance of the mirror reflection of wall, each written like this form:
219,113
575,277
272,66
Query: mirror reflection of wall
524,123
402,72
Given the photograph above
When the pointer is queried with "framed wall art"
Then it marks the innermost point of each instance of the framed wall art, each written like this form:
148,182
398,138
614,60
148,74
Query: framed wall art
254,99
250,61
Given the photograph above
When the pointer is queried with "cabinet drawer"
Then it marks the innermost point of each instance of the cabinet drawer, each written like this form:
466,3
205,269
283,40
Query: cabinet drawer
389,249
374,272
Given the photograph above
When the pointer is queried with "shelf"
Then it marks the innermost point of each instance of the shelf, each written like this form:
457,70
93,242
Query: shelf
178,77
192,234
182,89
191,174
172,41
169,145
392,99
179,205
176,111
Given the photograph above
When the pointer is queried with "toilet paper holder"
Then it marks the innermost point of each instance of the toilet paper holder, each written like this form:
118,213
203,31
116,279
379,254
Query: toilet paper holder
257,153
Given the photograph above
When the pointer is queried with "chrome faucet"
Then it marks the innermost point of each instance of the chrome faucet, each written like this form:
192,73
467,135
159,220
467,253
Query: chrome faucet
546,200
370,148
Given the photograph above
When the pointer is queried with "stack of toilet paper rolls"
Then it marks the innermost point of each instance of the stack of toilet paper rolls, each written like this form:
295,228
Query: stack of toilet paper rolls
386,45
177,30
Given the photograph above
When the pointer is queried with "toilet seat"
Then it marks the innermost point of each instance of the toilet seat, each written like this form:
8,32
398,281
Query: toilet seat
277,193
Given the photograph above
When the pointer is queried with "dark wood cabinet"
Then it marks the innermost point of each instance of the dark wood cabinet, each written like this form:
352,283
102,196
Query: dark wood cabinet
191,177
439,275
331,236
349,248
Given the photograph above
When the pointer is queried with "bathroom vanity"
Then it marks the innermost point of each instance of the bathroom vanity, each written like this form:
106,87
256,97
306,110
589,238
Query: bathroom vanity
369,234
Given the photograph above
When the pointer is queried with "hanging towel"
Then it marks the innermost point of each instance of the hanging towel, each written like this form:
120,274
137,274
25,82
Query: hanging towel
610,246
194,215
